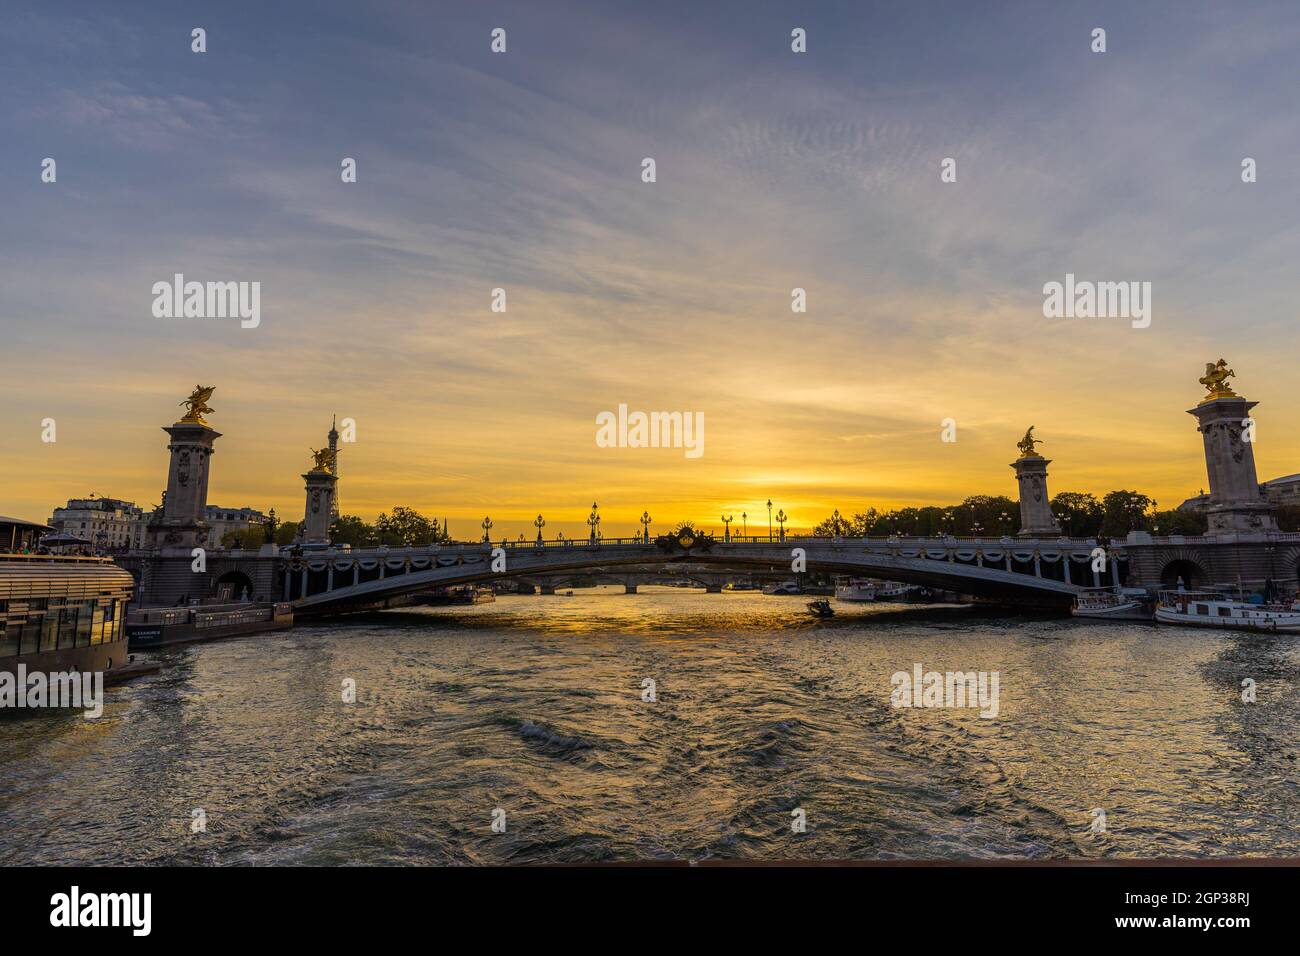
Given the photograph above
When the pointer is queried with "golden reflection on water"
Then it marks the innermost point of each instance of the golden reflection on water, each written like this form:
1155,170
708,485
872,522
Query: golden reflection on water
534,705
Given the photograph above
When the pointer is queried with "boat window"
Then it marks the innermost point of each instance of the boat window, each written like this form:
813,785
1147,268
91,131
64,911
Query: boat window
1225,612
85,623
50,630
68,626
1202,609
30,635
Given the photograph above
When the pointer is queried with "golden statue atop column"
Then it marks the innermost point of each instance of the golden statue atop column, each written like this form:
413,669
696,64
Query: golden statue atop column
324,459
197,404
319,513
1215,380
1036,518
1238,505
1026,444
183,523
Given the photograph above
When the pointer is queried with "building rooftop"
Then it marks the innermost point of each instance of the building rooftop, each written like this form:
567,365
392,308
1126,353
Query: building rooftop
97,504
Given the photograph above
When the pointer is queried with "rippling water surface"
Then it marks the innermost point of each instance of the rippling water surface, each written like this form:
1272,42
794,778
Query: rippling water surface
534,705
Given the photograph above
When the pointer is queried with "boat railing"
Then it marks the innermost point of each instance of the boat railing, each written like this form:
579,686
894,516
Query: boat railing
16,558
1167,596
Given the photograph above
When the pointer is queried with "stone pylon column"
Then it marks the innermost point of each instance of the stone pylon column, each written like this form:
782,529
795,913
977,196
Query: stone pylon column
184,525
319,512
1237,503
1036,519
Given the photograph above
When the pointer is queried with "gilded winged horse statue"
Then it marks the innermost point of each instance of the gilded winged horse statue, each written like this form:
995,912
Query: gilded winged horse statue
1026,444
197,404
1216,380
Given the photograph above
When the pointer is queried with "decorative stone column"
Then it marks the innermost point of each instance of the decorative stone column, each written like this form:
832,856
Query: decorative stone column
184,525
1237,503
1036,519
318,514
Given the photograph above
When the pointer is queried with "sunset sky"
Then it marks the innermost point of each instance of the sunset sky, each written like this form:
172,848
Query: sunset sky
523,171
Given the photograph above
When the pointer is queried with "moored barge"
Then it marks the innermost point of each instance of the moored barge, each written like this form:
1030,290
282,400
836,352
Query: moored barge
459,594
161,626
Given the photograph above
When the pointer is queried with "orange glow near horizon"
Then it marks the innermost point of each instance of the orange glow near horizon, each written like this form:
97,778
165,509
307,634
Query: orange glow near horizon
521,451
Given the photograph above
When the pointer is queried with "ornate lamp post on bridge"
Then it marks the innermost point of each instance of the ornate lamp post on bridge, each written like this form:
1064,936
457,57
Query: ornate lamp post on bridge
769,519
487,528
781,519
726,524
539,522
744,524
645,520
836,521
593,522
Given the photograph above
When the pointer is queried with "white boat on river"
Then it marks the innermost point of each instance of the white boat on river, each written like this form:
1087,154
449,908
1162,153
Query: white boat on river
1113,604
854,589
1212,609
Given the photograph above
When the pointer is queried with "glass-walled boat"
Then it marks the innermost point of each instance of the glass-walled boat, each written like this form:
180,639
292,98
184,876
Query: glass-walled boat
62,613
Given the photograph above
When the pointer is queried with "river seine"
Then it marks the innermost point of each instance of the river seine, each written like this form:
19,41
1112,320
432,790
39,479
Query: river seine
530,713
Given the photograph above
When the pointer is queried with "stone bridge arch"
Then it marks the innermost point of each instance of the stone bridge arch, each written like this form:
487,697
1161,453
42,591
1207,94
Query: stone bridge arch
240,585
1186,566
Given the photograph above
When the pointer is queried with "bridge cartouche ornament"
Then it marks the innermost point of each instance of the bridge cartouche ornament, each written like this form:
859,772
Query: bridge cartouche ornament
1026,444
685,538
1215,380
197,404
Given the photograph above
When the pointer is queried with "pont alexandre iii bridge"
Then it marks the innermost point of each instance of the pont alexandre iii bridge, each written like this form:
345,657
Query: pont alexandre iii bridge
1039,566
1011,571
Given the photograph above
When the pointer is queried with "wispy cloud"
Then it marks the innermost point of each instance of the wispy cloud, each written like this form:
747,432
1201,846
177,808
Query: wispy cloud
521,171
